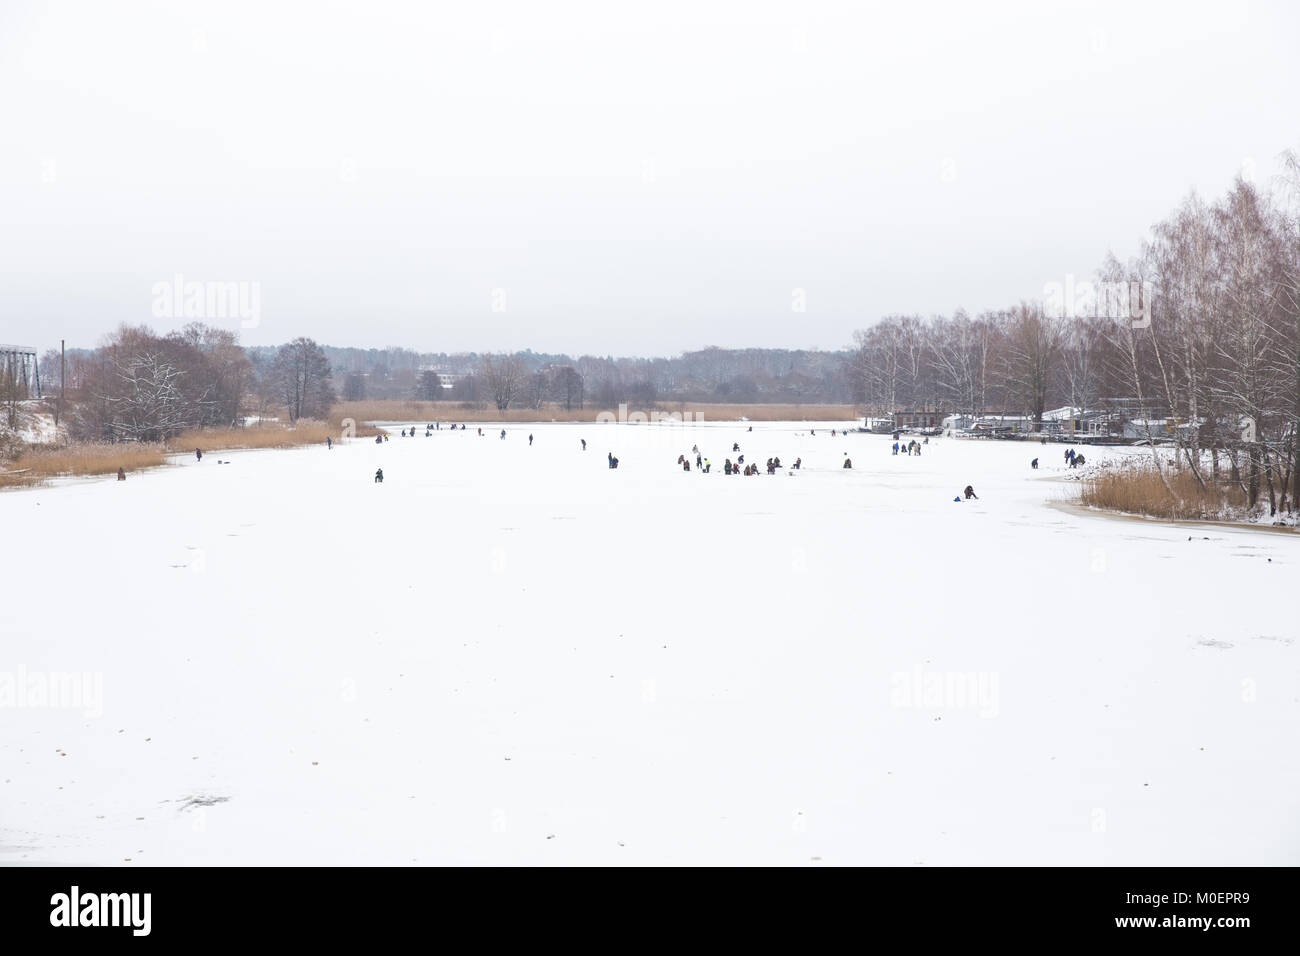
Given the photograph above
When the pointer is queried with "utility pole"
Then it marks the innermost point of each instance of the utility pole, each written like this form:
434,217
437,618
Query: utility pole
63,371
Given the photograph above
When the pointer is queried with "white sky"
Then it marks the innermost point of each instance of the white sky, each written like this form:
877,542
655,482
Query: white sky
638,178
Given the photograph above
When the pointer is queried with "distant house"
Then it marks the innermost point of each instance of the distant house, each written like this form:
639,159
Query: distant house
447,380
1072,420
987,424
1002,424
917,419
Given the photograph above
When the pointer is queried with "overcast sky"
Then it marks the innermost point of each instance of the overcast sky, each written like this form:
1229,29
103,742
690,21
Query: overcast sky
602,177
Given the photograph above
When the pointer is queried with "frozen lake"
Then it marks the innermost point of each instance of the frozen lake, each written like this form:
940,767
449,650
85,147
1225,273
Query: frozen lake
512,654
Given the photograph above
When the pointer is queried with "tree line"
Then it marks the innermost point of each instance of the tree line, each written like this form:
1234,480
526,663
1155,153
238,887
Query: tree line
705,375
141,386
1201,330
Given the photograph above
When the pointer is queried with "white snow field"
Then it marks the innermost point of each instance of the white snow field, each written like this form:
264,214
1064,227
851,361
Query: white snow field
513,655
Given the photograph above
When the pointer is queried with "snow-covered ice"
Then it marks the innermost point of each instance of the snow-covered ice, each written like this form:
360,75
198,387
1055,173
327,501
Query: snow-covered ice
512,654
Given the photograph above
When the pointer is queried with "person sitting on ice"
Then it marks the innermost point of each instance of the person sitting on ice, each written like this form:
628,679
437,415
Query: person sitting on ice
797,463
1079,460
613,462
379,439
726,466
1034,464
848,463
379,477
686,464
740,460
735,446
777,461
121,474
707,466
970,493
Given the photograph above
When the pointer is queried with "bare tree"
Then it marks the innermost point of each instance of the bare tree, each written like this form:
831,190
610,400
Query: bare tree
302,374
504,378
1033,351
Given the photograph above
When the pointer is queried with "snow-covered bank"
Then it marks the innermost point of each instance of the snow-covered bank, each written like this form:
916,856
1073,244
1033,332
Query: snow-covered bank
512,654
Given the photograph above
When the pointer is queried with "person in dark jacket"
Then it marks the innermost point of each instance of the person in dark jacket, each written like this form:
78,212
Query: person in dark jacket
379,477
970,493
1034,464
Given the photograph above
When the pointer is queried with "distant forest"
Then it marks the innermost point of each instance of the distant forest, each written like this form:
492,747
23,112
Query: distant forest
709,375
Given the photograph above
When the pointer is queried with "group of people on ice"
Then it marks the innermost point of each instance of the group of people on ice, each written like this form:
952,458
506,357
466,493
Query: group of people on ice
1073,459
738,467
